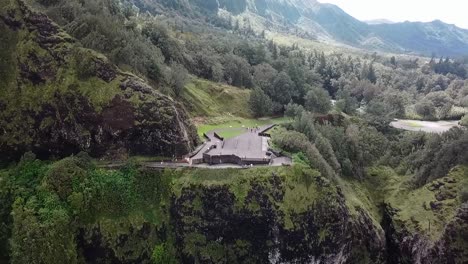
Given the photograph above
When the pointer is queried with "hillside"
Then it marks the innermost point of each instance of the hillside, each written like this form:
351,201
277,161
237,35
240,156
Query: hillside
58,99
328,23
100,99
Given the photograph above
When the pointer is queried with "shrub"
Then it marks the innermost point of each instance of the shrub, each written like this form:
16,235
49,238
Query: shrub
62,176
464,195
164,254
464,121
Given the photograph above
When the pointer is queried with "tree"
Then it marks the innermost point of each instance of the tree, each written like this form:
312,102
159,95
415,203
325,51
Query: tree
160,37
293,110
164,254
371,76
62,175
282,89
425,108
317,100
395,103
177,78
346,103
260,103
297,75
297,142
305,123
42,235
393,61
264,75
237,71
325,148
439,98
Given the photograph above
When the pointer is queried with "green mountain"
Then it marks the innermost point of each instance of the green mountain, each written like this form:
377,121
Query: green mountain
328,23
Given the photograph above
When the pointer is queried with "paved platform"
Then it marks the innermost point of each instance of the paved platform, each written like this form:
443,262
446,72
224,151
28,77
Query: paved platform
248,148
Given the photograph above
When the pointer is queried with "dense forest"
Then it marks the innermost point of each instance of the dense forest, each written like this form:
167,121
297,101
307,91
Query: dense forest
165,48
60,206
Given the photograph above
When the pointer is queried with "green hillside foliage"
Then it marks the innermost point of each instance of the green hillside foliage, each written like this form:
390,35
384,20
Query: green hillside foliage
50,203
64,218
118,78
224,50
89,207
210,100
58,98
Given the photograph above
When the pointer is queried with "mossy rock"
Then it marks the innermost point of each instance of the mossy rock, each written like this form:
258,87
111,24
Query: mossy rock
59,99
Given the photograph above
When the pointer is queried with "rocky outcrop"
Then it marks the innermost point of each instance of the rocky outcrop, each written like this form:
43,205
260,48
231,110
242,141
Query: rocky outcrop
280,217
71,99
404,246
214,225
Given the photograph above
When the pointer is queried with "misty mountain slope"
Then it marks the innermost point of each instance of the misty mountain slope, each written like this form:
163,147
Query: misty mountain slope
330,23
426,38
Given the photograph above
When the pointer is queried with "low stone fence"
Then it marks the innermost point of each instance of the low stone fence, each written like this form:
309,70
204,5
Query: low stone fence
218,136
233,159
263,133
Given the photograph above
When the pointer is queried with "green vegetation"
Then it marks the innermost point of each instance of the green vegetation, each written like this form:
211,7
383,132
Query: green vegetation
60,98
209,100
415,205
136,203
57,97
231,127
223,108
51,202
464,121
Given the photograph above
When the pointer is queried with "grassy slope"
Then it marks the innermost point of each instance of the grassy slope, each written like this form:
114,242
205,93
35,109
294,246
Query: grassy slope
208,99
215,106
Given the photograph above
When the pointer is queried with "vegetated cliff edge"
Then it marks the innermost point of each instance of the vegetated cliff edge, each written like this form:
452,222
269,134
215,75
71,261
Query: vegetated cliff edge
293,215
259,215
57,98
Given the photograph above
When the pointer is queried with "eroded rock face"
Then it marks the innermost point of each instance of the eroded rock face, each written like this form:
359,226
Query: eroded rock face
79,101
213,226
404,246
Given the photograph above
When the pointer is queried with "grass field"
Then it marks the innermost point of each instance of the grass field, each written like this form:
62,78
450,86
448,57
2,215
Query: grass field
232,127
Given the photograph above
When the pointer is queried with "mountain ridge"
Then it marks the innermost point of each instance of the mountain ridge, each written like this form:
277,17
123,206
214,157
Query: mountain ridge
330,23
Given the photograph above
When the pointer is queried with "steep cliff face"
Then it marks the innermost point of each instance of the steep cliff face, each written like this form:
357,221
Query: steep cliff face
293,215
404,246
57,98
432,225
259,215
279,216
